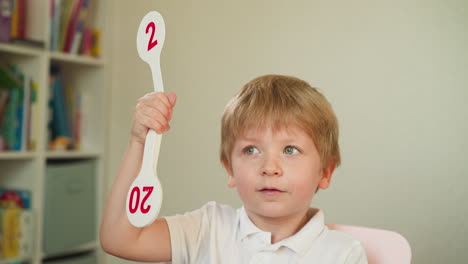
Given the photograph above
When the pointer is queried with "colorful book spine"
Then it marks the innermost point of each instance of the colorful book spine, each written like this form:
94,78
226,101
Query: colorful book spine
16,224
6,12
96,44
17,146
10,123
71,27
26,114
87,42
34,117
15,198
21,34
65,19
77,122
16,103
78,38
14,20
55,27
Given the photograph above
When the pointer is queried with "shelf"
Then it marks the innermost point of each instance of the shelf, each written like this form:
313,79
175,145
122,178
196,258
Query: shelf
16,155
85,81
85,60
20,50
73,154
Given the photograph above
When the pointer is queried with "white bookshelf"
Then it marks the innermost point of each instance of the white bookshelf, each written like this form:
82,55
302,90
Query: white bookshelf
27,169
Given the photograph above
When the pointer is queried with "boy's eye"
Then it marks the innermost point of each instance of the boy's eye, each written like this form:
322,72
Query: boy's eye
290,150
250,150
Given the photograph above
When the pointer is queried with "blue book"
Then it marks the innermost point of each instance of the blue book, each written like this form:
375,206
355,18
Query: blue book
61,122
19,119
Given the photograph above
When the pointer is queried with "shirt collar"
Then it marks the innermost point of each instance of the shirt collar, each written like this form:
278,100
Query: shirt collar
298,242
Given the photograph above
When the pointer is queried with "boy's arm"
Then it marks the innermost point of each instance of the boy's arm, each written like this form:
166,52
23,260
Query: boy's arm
117,235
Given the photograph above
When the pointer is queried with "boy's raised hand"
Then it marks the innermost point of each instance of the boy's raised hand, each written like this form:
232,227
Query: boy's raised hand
153,111
117,235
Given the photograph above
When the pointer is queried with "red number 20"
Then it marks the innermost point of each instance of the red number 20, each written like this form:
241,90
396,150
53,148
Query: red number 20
151,42
136,191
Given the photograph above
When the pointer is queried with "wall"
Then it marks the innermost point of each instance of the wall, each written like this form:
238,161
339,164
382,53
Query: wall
396,73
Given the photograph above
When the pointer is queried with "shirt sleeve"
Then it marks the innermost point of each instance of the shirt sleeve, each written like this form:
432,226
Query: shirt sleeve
187,233
357,254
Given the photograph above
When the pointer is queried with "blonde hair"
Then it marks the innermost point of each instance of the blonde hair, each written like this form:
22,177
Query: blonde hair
279,101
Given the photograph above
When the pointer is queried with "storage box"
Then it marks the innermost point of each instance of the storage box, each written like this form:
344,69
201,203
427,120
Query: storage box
69,206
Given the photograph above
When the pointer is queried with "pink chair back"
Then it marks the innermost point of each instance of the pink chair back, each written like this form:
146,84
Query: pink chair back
382,246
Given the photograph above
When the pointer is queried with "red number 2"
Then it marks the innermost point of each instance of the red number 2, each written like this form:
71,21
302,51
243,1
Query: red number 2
136,191
151,43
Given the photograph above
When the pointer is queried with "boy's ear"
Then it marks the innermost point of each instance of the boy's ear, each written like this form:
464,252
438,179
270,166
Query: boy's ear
327,173
231,182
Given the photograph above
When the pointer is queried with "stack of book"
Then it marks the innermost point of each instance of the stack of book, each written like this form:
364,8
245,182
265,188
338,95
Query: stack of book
65,106
13,18
16,224
18,110
69,32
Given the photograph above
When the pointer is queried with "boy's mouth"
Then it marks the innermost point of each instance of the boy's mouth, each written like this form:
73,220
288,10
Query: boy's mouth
271,190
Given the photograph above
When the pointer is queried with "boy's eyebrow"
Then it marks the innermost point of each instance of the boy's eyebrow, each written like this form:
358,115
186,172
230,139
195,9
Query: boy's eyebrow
247,139
254,139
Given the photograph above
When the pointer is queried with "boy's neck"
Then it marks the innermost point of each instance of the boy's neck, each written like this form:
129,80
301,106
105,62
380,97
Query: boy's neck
281,227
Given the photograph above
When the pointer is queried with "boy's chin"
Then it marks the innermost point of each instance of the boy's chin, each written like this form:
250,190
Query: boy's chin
276,210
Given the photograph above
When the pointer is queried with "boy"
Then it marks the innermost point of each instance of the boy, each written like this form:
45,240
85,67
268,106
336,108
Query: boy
279,145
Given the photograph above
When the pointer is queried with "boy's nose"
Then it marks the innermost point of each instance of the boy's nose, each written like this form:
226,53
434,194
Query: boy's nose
271,167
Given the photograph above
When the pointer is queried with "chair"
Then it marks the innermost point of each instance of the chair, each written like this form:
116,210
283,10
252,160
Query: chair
382,246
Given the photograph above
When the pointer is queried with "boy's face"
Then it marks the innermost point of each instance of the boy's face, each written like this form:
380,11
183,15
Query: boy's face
277,174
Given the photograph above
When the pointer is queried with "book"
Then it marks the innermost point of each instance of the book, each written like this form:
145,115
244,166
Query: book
87,42
21,34
77,122
34,117
14,20
26,112
8,79
3,101
6,12
55,25
10,123
16,233
79,31
18,123
72,23
26,234
96,43
10,227
16,223
19,198
67,8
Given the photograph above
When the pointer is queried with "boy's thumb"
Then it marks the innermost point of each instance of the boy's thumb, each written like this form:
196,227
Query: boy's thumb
172,98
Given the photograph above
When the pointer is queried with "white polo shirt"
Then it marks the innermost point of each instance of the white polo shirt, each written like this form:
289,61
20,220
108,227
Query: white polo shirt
219,233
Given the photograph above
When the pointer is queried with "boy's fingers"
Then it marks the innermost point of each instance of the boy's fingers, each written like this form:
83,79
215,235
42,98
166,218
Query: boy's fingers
172,98
158,124
155,109
163,99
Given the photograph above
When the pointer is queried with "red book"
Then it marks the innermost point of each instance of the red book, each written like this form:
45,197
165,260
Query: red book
87,41
72,25
21,19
